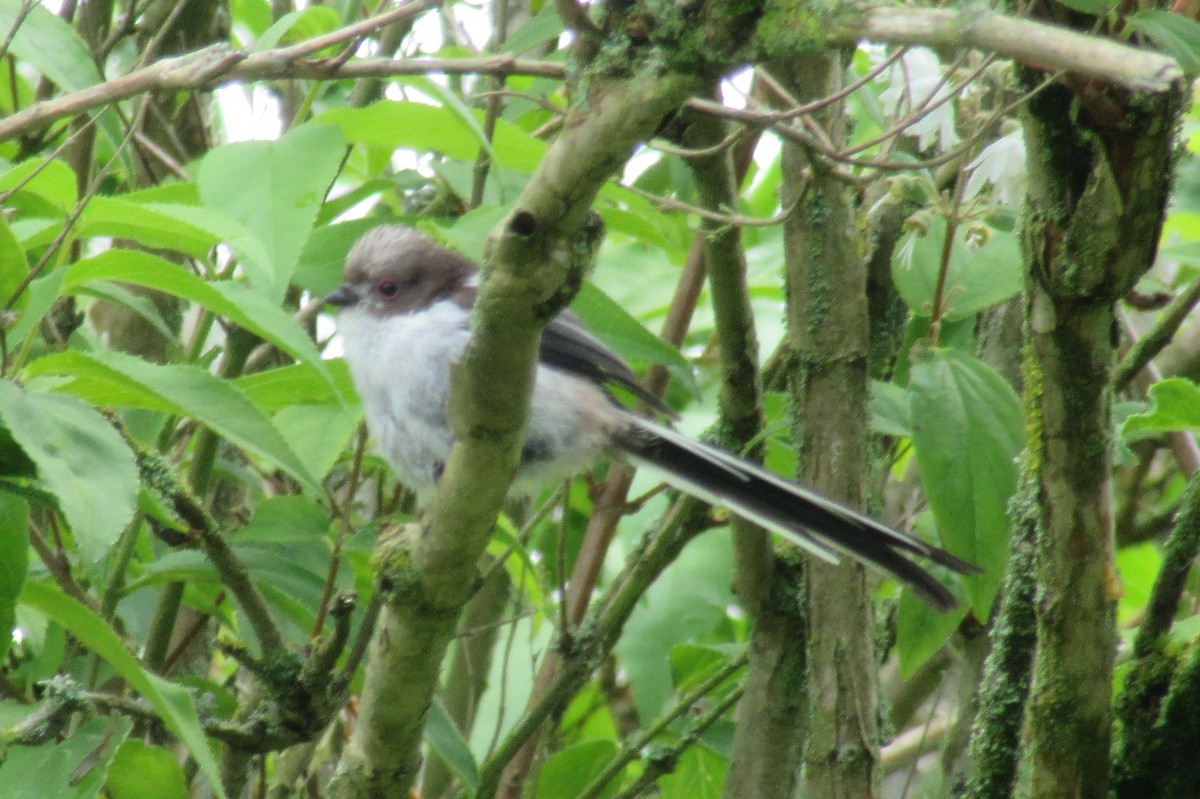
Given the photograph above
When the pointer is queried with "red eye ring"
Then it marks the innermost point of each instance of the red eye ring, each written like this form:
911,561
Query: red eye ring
387,288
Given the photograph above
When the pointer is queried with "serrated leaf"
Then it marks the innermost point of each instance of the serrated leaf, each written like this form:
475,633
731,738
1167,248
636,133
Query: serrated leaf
1177,35
449,744
118,218
978,277
14,562
108,378
281,204
299,384
52,182
173,703
232,301
967,432
80,458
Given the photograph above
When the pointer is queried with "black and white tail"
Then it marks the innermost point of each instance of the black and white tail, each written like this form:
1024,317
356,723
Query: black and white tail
815,523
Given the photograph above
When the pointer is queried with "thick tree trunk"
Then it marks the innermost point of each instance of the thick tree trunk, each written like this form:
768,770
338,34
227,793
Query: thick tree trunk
1099,177
828,328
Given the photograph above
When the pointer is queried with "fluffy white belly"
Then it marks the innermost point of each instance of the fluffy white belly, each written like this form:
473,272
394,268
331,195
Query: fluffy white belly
401,366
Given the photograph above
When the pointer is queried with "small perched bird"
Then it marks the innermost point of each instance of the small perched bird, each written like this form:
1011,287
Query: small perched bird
405,313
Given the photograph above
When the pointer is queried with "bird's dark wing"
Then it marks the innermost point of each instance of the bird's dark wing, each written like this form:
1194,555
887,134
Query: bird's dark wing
569,347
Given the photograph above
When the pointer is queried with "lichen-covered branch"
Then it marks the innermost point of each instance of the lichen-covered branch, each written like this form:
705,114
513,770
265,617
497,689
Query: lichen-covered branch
538,255
828,329
1097,193
995,747
769,722
779,34
1024,40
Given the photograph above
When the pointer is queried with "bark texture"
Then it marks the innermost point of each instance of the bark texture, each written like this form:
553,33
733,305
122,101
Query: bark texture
828,329
1099,167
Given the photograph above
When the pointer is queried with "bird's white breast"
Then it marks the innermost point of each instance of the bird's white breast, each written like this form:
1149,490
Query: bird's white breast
401,367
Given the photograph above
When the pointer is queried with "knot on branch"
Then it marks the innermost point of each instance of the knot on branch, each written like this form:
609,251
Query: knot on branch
304,693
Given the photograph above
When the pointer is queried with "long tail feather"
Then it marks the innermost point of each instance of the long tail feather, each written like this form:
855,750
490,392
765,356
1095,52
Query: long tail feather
817,524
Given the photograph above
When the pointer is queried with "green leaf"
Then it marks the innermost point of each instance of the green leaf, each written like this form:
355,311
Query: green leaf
613,325
119,218
14,269
462,112
1139,567
405,125
74,768
173,703
280,205
299,384
141,305
80,458
921,631
320,267
41,295
395,125
978,277
1174,405
542,27
50,45
318,433
967,432
140,770
1094,7
286,520
46,187
14,562
699,774
448,743
686,602
285,548
230,300
108,378
298,26
253,15
888,407
691,665
568,771
1177,35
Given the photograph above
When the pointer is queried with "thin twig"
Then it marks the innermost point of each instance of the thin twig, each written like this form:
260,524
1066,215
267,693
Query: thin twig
664,762
335,560
1159,336
633,748
26,7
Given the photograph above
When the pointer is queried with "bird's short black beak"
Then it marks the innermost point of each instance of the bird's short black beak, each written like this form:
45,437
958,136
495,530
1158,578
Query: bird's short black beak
343,297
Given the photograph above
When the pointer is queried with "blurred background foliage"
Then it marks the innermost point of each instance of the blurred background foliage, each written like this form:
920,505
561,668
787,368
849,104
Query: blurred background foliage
164,352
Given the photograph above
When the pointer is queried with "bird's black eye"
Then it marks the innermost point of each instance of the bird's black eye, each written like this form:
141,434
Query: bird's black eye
387,288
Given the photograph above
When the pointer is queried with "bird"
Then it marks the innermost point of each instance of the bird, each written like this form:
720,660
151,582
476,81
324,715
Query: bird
404,319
